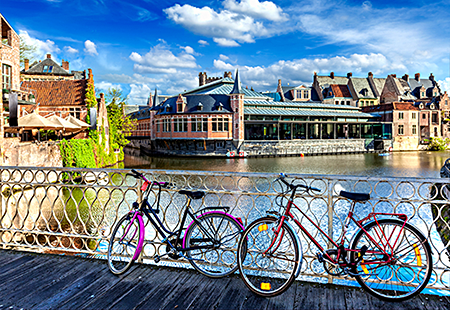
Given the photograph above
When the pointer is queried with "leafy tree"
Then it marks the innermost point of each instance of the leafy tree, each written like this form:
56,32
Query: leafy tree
438,144
118,122
27,51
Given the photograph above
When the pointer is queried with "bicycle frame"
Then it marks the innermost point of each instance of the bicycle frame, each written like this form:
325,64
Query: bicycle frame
342,251
150,213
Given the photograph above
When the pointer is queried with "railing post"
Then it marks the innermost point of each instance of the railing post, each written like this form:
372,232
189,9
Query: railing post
139,200
330,218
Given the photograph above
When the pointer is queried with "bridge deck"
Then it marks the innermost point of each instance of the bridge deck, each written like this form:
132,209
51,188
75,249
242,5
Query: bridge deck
62,282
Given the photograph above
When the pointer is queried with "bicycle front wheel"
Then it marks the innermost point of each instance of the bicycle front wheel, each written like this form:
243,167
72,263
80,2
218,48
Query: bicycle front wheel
211,244
123,244
404,275
269,262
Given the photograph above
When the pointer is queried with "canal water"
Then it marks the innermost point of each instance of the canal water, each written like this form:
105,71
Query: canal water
396,164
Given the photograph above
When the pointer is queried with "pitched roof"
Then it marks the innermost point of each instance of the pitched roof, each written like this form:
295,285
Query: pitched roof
416,85
209,104
58,93
341,91
362,88
326,81
47,66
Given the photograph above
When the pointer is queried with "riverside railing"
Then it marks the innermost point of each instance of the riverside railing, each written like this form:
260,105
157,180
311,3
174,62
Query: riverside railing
72,211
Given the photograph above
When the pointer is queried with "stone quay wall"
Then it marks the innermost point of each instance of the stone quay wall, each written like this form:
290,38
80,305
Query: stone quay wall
30,154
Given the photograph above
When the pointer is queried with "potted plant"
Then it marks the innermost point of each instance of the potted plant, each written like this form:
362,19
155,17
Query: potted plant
32,98
6,93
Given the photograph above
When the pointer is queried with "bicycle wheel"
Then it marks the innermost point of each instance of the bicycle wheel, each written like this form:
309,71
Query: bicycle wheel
407,274
123,244
214,239
269,263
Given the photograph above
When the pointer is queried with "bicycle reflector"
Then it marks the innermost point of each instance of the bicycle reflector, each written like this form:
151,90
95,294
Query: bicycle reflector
364,268
265,286
419,258
144,186
262,227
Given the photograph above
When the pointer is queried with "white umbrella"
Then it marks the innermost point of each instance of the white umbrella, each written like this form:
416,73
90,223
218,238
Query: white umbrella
68,126
77,122
35,121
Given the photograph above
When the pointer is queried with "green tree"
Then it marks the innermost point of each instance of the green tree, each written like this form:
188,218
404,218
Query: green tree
27,51
118,122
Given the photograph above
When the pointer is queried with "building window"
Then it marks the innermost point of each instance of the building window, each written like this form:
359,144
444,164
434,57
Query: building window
166,125
220,124
414,129
180,124
348,102
6,77
401,115
434,118
424,116
413,116
306,94
48,69
199,124
422,94
400,130
180,107
445,102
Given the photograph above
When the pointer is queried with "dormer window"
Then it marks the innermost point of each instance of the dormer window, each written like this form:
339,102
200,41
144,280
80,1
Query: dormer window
432,106
220,106
180,108
200,107
167,108
48,69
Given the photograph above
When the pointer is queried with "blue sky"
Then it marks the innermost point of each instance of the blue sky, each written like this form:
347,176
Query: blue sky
139,45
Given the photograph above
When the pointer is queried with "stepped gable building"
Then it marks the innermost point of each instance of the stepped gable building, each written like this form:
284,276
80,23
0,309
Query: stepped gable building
366,91
48,70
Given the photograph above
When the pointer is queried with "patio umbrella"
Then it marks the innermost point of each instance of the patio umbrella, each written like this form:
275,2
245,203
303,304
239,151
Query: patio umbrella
68,126
77,122
35,121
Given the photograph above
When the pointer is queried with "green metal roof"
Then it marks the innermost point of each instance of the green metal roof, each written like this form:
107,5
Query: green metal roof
222,87
305,112
300,105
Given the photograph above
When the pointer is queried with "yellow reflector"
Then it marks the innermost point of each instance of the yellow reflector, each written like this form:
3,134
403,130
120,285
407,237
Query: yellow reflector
419,258
262,228
364,268
265,286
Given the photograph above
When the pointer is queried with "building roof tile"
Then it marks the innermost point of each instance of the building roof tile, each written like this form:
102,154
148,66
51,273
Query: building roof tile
58,93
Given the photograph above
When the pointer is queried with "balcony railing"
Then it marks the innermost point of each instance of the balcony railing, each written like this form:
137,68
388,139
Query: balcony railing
71,211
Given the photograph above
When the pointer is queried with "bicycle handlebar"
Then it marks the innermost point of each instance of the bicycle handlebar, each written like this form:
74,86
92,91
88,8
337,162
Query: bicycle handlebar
282,177
137,175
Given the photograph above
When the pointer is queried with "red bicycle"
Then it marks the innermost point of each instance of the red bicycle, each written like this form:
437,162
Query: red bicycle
390,258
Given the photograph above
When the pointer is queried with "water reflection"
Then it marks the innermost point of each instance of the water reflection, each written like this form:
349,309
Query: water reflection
406,164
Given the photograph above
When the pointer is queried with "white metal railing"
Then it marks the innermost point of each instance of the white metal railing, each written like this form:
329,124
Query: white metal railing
72,211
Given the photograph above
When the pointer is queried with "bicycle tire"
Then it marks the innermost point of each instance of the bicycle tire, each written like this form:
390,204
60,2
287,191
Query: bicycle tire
401,279
121,249
221,259
268,275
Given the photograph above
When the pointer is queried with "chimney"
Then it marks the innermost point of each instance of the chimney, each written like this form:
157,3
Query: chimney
49,56
370,74
65,65
201,78
27,64
394,75
417,76
332,75
349,75
431,77
280,91
90,76
227,75
406,77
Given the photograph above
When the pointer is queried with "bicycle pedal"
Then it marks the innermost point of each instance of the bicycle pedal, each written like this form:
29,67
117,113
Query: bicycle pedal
320,257
157,259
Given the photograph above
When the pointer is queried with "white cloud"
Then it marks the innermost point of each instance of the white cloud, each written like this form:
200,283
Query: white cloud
70,50
189,50
225,26
223,57
445,85
266,9
42,47
300,71
107,85
90,48
139,94
203,42
161,60
134,79
226,42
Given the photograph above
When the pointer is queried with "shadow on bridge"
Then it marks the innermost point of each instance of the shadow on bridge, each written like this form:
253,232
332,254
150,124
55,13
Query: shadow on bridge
29,280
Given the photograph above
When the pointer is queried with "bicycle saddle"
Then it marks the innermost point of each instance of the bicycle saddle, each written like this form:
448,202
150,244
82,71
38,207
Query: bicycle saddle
355,196
193,195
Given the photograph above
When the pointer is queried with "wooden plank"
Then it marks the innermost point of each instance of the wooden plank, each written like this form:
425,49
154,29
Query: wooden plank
8,257
434,302
89,293
309,296
285,300
211,291
11,266
236,294
166,282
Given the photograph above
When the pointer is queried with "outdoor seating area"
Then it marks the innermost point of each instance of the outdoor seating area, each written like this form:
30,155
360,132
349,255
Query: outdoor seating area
34,127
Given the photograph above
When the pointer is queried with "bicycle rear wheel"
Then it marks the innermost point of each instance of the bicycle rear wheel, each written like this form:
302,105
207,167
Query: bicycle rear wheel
409,271
268,263
123,244
213,239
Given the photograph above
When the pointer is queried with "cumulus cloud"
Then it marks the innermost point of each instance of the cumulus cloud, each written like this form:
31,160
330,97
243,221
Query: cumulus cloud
226,27
226,42
161,60
42,47
139,94
300,71
70,50
445,85
189,50
266,9
105,86
223,57
90,48
203,42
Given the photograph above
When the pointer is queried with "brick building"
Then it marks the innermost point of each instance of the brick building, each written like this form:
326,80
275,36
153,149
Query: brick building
49,70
